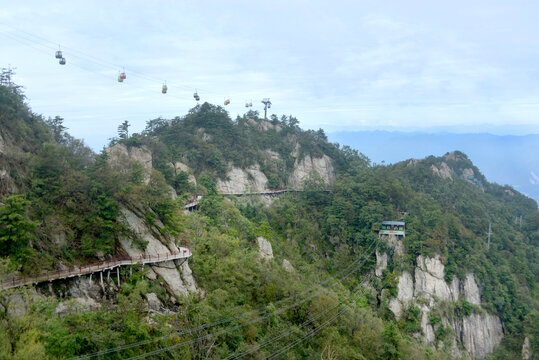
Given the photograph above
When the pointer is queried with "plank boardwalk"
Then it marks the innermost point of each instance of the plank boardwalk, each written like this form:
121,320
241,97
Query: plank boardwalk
14,282
193,204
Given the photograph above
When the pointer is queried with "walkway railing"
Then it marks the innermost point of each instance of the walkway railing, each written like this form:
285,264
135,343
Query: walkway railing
95,267
194,204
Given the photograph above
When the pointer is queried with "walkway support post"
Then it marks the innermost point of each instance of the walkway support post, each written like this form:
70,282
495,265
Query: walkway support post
118,275
101,278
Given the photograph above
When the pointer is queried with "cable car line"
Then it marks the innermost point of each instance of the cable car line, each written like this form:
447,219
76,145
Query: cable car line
36,39
350,269
40,43
45,49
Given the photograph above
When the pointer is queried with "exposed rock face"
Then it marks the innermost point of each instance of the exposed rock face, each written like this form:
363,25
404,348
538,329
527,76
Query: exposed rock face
273,155
467,172
394,241
443,171
17,304
471,290
480,334
288,266
153,302
381,263
242,181
321,167
120,157
85,292
405,294
178,283
428,331
454,288
429,279
76,305
264,125
526,349
396,307
179,166
405,288
265,250
2,144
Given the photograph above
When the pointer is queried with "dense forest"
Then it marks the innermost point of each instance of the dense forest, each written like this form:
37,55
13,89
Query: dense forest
61,206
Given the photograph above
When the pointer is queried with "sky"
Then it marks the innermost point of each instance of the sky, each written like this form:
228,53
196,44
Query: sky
458,66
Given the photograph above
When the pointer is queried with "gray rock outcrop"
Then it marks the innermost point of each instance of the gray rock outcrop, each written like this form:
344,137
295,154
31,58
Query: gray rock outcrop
526,353
243,181
121,157
153,302
405,294
470,290
381,263
305,168
178,278
265,250
429,279
443,171
179,166
288,266
479,333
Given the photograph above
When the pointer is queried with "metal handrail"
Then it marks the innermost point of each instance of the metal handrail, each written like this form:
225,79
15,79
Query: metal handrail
184,252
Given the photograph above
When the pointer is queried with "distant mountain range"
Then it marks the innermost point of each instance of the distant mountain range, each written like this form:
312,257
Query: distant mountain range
507,159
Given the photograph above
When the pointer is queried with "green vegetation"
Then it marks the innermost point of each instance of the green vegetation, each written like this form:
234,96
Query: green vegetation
69,200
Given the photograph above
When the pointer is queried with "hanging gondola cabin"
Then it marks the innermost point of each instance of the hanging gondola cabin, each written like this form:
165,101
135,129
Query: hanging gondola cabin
164,89
392,228
62,61
227,101
195,95
58,55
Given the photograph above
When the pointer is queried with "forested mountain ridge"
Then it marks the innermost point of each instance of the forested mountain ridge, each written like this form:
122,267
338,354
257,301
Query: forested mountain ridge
71,206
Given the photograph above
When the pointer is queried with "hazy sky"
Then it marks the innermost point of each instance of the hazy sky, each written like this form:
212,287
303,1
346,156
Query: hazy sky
339,65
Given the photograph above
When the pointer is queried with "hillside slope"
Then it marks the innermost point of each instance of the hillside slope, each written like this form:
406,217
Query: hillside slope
67,206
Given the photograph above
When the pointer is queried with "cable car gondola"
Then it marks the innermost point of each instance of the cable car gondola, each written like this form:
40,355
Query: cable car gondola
195,95
227,101
164,89
58,54
62,61
120,78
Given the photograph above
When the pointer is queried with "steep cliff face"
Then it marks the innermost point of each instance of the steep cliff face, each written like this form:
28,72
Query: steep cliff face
176,275
253,179
309,165
477,333
122,157
243,181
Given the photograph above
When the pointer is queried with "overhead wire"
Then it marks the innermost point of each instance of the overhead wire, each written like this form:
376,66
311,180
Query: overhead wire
226,330
304,324
91,58
354,266
316,329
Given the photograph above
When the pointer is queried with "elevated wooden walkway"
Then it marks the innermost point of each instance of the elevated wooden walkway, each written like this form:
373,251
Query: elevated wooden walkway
101,266
194,204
